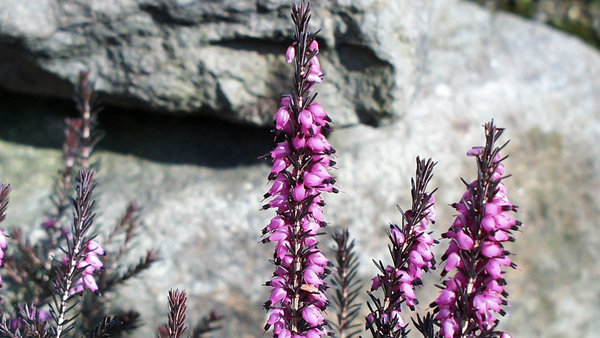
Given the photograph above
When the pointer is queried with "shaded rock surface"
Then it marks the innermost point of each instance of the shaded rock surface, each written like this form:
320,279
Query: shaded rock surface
201,185
222,58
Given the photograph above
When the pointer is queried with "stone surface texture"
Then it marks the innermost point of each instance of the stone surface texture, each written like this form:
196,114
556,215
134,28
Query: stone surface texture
222,58
201,186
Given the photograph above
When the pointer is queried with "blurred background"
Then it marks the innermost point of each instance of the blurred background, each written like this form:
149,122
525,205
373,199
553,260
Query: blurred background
189,90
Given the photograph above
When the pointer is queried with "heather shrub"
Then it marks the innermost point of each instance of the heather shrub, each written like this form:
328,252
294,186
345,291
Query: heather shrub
62,284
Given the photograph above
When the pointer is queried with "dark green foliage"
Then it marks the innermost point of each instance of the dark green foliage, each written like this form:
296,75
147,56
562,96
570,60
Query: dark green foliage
347,286
207,324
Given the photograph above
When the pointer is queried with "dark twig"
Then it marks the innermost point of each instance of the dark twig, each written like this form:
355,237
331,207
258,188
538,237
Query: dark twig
69,272
207,324
347,286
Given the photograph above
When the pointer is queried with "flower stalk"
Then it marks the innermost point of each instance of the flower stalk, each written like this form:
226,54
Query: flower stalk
299,175
475,293
411,251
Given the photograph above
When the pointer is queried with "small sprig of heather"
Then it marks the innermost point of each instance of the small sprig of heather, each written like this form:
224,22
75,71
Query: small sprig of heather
110,326
109,281
126,227
347,286
208,324
471,298
122,233
63,187
299,175
117,244
90,264
115,326
410,248
30,270
80,139
175,328
69,271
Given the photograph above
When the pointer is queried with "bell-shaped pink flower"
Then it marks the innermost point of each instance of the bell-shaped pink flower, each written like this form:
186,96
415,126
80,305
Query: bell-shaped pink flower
312,315
90,282
290,54
282,118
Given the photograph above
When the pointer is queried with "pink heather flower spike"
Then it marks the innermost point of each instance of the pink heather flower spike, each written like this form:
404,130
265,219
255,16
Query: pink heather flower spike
300,173
475,294
410,247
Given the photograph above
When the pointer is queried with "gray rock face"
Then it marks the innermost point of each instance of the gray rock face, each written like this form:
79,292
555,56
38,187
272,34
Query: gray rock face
201,186
214,57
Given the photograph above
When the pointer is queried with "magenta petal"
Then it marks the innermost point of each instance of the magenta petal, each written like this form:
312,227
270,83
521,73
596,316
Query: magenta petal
290,54
93,260
281,150
317,110
305,118
445,297
280,165
90,283
494,269
312,315
449,327
319,170
475,151
286,101
299,192
397,236
277,295
464,241
311,227
318,143
488,223
311,277
276,223
278,235
3,240
493,209
282,117
276,315
299,142
416,259
310,241
452,261
95,247
491,249
312,180
318,258
376,284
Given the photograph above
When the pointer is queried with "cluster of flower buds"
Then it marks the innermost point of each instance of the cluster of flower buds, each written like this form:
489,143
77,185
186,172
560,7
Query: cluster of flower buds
411,252
420,256
32,314
299,175
90,264
315,74
475,293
